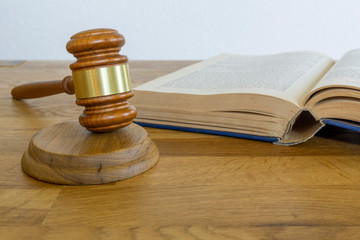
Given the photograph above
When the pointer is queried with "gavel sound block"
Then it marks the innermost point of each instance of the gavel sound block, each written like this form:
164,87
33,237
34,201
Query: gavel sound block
107,147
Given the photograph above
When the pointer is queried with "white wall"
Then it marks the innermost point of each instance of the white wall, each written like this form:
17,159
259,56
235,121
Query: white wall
181,29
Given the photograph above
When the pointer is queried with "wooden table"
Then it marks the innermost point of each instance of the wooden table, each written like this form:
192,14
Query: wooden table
203,187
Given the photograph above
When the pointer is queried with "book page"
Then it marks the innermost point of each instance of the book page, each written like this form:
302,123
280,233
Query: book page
288,76
346,72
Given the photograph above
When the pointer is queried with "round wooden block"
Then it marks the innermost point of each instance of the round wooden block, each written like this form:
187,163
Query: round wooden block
67,153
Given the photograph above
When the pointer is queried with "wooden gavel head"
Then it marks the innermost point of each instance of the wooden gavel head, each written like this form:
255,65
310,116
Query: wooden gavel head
101,80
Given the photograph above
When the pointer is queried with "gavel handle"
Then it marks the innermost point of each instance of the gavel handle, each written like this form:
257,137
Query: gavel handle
43,89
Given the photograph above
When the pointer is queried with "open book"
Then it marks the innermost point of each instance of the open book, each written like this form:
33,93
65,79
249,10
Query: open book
283,98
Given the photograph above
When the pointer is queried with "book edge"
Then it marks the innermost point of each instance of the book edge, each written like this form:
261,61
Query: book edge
212,132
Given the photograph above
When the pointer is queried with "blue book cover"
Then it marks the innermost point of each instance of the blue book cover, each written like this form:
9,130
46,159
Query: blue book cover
343,124
333,122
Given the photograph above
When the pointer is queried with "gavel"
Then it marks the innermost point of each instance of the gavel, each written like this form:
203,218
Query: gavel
100,80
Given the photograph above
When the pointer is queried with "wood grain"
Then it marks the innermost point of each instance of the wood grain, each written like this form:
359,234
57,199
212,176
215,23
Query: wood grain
203,187
94,48
107,113
68,154
44,88
98,48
